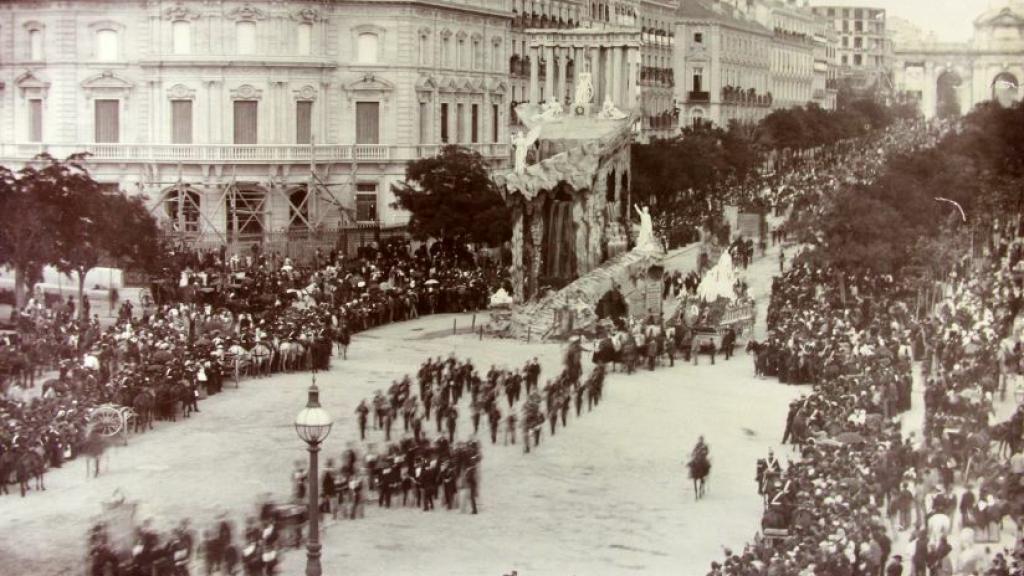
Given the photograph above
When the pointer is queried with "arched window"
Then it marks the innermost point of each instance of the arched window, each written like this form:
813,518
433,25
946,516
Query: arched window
35,41
298,209
181,36
367,48
304,39
181,210
245,37
244,211
107,49
424,49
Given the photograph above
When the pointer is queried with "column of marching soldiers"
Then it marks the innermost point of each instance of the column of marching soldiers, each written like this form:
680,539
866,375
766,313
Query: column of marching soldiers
412,468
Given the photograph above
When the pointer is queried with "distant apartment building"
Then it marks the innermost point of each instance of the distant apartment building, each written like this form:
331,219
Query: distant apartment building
864,54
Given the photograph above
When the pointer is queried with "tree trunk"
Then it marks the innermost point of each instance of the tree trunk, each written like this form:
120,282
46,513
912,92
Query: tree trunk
20,294
81,295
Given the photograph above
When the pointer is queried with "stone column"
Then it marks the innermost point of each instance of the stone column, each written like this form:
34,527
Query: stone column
518,284
632,67
594,54
928,95
609,75
549,71
534,75
617,72
563,62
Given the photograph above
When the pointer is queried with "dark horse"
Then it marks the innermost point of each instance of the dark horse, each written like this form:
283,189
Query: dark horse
30,465
700,469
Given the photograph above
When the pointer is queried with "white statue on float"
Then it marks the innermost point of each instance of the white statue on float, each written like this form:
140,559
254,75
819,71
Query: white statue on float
720,281
522,143
609,111
550,110
646,241
584,93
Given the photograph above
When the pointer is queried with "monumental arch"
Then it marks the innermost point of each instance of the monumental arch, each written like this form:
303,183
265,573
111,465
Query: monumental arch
989,67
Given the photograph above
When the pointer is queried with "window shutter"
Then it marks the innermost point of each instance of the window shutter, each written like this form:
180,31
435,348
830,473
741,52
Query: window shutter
460,124
494,123
303,122
475,136
246,122
367,123
108,127
35,120
181,121
444,123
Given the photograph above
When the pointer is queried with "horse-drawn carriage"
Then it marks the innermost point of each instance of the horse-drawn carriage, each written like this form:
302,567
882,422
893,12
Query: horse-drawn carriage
108,420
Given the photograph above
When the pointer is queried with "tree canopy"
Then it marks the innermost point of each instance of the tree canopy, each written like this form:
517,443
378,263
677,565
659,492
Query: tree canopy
452,196
53,213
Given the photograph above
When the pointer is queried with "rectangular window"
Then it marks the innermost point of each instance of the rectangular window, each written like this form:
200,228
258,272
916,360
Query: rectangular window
181,121
460,125
246,115
304,39
367,123
245,37
857,60
494,123
424,123
35,120
698,38
444,123
475,126
366,202
303,122
108,122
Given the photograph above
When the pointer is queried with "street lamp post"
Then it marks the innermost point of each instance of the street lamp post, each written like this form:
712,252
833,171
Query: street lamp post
313,424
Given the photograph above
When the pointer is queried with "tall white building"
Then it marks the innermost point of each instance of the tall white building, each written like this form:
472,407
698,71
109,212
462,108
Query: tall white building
252,121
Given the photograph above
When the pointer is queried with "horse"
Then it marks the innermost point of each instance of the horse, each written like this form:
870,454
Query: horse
8,464
293,354
241,360
31,464
143,404
700,469
92,446
261,355
757,348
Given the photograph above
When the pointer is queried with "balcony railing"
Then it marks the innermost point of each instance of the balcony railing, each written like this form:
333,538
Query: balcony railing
239,153
699,96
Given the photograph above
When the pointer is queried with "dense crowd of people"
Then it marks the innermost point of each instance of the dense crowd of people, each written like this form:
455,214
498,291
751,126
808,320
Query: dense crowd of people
219,319
858,483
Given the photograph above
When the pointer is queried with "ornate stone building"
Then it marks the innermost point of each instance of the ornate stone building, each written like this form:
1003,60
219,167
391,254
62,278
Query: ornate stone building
954,77
246,120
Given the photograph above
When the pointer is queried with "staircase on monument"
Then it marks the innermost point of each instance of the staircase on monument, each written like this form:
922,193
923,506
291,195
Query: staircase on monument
537,319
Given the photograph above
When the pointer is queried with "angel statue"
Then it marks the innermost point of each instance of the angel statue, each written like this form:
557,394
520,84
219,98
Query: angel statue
584,92
551,109
646,242
523,143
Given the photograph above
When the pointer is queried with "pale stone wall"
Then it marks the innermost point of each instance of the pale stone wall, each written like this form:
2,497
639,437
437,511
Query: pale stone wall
147,74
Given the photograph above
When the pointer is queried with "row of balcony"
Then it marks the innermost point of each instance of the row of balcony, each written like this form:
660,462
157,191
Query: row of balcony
653,75
242,153
732,95
534,20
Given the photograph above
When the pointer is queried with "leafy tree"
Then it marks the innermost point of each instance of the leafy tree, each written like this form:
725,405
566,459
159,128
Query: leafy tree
26,239
452,196
75,224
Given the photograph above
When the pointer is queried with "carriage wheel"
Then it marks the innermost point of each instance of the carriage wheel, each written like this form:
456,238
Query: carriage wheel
107,421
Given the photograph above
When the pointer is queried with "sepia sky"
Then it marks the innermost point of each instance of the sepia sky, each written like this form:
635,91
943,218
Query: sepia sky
952,20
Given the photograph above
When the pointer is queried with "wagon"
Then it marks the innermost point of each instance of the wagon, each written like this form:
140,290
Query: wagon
110,419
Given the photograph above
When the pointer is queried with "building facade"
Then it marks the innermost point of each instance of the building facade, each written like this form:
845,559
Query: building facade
242,120
955,77
864,55
792,64
723,60
825,81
